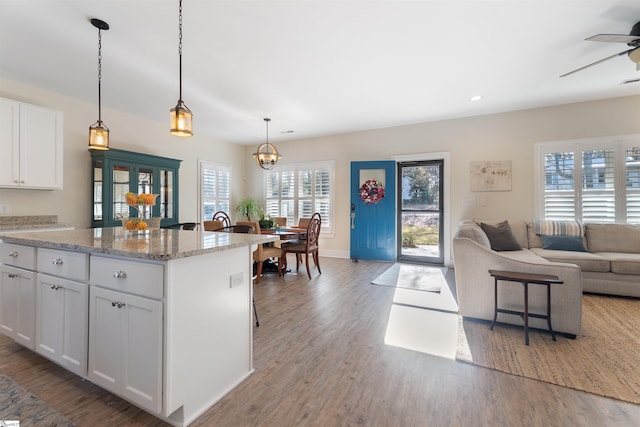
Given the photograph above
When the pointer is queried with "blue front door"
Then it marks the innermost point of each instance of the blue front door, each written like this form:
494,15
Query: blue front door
373,225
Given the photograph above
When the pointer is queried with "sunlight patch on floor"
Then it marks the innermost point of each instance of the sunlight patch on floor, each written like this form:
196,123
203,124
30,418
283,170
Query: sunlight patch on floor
427,331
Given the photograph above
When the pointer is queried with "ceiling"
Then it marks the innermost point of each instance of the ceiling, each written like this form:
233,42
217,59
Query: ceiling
318,67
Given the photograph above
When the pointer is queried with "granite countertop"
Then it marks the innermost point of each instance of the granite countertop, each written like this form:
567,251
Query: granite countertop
158,245
29,222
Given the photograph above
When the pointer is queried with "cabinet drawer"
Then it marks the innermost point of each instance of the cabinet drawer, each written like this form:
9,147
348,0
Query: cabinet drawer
134,277
71,265
18,255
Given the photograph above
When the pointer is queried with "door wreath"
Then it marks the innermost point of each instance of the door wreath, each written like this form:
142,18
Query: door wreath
371,192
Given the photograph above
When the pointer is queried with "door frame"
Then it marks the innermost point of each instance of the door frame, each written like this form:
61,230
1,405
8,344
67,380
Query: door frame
445,156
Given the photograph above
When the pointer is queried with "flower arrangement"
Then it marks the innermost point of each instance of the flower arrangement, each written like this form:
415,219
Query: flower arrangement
371,191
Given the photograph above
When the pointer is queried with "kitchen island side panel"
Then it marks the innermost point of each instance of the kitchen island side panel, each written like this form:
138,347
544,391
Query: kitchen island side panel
208,320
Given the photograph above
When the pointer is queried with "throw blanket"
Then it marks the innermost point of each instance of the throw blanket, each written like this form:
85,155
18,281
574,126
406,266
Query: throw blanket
547,227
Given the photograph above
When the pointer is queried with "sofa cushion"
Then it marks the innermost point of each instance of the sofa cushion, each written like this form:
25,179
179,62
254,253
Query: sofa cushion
518,228
501,237
623,263
585,260
549,227
613,238
563,243
471,230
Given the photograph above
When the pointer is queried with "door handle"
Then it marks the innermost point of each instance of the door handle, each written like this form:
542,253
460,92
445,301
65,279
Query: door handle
353,220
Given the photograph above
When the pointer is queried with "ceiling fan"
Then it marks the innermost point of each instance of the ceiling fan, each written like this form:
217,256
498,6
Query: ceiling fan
632,40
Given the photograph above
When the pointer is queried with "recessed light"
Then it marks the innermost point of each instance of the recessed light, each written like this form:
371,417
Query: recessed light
476,98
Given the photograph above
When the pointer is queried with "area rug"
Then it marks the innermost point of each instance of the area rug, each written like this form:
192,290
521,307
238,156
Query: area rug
602,360
18,404
412,276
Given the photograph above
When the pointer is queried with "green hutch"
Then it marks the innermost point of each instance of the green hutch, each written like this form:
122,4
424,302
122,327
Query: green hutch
116,172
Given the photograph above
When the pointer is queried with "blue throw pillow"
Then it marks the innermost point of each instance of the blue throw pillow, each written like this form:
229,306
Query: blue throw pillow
563,243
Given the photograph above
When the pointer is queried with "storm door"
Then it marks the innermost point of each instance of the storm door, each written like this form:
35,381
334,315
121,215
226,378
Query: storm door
420,212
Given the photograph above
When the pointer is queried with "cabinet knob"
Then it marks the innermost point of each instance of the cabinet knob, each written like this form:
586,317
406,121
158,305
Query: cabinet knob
57,261
56,287
117,304
12,276
120,274
13,253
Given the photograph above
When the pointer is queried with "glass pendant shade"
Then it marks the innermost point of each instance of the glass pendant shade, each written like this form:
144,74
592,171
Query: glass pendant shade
267,156
98,136
180,120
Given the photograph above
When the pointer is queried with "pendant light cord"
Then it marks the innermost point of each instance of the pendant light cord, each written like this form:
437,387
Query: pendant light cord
99,76
180,46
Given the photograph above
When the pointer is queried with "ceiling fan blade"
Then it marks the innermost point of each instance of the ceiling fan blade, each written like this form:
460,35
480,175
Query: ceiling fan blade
613,38
597,62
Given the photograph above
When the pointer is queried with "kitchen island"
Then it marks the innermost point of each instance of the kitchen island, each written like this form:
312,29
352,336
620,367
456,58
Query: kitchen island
162,318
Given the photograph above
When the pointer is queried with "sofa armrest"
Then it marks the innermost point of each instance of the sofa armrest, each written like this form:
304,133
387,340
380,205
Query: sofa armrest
475,287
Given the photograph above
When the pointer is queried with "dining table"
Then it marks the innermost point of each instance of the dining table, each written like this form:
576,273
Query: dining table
286,233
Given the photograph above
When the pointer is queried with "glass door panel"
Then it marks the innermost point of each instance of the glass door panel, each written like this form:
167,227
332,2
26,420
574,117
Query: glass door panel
98,170
121,186
420,228
145,186
166,194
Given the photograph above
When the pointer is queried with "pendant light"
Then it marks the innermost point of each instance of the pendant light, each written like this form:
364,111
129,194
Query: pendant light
267,155
180,116
98,132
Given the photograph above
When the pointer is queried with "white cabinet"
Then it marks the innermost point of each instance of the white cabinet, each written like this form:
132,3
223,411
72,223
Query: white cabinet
17,304
62,308
125,346
17,293
31,146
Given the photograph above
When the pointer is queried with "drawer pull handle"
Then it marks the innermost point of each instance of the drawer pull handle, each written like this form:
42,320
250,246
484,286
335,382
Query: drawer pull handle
57,261
56,287
117,304
13,253
120,274
12,276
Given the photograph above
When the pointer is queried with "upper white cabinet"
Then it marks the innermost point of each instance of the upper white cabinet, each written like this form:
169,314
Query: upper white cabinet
31,146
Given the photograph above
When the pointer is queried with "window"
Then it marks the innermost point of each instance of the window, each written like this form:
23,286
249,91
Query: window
591,181
215,189
298,190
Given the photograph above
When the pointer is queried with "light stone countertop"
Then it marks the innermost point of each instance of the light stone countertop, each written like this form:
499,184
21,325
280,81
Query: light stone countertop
157,245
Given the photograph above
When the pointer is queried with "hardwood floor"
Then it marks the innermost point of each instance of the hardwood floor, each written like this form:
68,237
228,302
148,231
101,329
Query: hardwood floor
321,360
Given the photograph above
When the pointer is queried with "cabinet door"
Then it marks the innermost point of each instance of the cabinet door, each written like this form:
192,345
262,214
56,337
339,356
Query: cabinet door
62,322
105,343
125,346
40,147
9,143
17,305
142,351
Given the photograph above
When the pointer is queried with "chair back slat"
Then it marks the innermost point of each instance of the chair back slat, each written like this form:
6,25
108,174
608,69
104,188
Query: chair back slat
222,216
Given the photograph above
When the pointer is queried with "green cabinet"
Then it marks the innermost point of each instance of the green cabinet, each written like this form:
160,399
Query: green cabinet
116,172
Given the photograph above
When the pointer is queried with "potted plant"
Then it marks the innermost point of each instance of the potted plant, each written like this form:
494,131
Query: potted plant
248,207
266,222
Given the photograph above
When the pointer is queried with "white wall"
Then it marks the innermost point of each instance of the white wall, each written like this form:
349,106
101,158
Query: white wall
506,136
127,132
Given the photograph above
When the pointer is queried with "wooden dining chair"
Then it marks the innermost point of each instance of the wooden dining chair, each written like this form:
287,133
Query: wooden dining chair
304,222
222,216
307,246
212,225
264,253
281,221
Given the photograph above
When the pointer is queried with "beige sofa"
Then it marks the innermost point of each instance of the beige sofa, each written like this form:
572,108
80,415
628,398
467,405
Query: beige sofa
611,266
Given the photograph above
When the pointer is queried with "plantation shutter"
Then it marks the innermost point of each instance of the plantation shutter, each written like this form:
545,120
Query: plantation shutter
598,186
299,190
632,181
559,195
215,189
